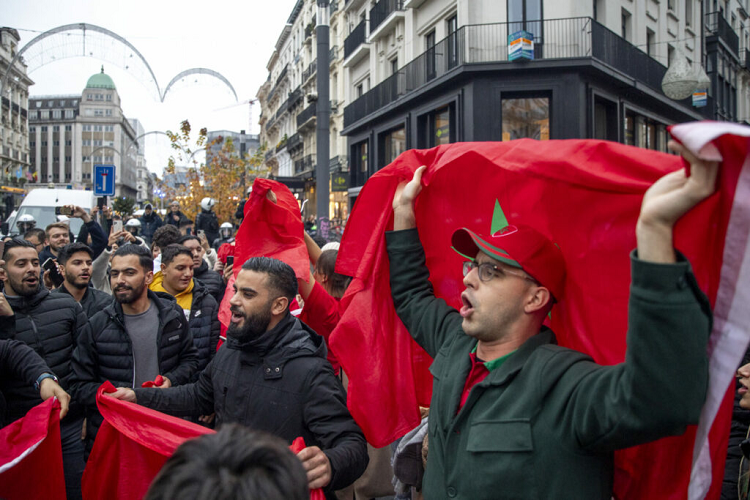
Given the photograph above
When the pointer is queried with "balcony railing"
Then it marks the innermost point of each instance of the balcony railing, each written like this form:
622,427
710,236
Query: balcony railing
574,38
717,25
306,115
304,164
294,142
282,74
309,71
382,10
355,39
337,164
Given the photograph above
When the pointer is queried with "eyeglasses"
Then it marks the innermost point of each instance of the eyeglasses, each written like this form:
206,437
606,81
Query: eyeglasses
487,271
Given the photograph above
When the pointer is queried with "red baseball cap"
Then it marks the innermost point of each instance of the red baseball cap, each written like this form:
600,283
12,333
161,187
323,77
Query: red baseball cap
518,246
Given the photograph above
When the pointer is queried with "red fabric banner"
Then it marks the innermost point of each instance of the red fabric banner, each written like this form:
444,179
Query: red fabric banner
268,230
30,448
132,445
583,194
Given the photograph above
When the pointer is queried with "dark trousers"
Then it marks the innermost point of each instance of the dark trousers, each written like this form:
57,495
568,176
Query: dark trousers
72,451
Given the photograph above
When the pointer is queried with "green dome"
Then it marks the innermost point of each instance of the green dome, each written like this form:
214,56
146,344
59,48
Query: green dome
100,81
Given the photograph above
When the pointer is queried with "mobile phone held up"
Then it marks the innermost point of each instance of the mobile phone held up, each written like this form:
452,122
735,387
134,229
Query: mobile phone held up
116,226
54,273
66,211
230,260
201,233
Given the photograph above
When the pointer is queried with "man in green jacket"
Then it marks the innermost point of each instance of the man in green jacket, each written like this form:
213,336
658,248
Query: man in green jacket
513,415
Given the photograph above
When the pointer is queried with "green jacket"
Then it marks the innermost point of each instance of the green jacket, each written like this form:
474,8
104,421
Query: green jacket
545,424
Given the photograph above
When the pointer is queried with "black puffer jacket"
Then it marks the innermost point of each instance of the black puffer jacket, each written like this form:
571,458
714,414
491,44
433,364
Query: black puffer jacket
19,362
213,281
207,222
105,353
49,324
93,300
204,326
279,383
737,433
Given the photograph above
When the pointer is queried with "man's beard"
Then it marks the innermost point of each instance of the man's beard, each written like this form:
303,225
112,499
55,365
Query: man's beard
253,326
24,289
77,282
131,295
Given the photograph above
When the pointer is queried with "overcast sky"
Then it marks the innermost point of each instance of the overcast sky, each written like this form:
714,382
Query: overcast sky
234,38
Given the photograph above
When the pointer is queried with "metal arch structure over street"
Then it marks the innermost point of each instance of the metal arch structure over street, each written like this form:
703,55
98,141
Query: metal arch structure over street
63,43
88,40
199,71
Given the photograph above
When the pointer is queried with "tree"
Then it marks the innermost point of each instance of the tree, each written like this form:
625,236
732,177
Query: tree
124,206
224,178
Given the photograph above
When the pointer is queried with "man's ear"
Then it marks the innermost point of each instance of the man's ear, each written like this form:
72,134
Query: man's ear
538,299
150,276
279,306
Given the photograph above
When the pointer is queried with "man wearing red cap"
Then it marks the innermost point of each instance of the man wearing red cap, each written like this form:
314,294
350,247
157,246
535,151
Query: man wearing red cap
513,415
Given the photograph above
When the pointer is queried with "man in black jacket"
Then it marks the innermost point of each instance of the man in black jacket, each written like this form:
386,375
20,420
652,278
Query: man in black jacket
75,261
201,272
273,376
150,222
58,235
50,324
175,215
141,335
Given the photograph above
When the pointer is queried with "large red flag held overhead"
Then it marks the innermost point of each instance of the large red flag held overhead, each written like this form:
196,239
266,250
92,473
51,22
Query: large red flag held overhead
30,448
269,229
585,195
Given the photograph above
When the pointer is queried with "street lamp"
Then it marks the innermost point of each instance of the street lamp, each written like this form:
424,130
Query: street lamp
323,112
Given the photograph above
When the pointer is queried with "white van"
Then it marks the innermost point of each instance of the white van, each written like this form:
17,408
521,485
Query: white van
40,203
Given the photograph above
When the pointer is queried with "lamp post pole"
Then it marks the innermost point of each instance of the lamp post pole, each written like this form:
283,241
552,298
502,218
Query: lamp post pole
322,112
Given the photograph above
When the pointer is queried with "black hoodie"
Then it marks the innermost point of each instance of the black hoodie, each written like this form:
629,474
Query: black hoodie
279,383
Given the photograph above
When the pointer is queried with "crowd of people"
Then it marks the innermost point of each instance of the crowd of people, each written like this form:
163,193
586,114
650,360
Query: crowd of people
138,306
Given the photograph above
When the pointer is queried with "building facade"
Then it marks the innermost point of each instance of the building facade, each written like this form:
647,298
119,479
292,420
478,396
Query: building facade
69,134
144,188
14,127
420,73
288,102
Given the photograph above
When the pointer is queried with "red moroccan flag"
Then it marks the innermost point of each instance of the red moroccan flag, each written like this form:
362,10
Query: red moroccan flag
31,455
130,448
586,196
269,230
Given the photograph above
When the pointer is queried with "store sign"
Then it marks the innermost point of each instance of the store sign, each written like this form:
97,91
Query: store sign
700,98
339,182
520,46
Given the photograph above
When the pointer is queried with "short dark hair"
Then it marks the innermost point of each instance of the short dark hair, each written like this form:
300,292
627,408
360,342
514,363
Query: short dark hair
36,231
144,255
326,266
166,235
16,242
281,275
172,251
67,251
188,237
234,463
184,222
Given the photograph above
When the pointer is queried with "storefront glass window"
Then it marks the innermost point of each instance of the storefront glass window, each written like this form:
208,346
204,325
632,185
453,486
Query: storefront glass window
395,144
526,118
442,130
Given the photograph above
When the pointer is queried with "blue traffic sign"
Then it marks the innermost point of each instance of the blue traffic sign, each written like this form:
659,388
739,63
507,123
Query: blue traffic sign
104,180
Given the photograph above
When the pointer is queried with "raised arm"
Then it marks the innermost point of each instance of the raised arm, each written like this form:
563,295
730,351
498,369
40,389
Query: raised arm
429,320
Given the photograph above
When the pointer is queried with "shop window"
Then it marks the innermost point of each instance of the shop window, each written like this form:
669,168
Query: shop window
392,144
605,120
437,127
525,118
359,163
